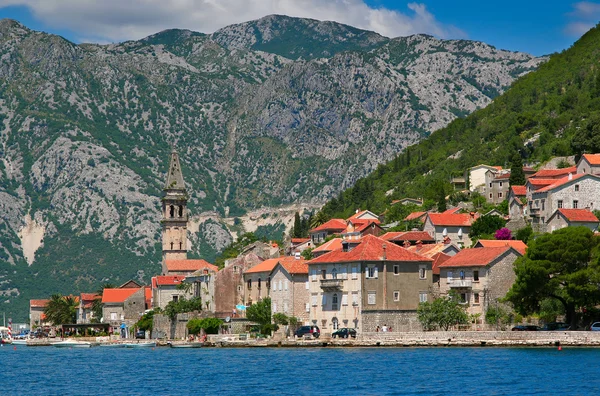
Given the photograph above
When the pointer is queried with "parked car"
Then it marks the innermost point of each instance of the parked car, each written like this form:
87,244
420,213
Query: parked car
344,333
595,326
525,328
303,330
140,334
556,326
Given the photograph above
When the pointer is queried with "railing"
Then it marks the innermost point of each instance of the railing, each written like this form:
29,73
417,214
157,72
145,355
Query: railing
463,283
332,284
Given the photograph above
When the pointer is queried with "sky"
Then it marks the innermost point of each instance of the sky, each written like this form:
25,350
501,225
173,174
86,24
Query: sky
535,26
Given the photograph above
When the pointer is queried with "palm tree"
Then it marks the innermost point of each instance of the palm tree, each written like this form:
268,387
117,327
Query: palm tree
61,309
318,219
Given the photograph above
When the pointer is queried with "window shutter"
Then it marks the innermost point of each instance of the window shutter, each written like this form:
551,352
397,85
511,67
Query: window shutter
307,307
314,300
285,285
314,274
375,274
344,273
344,299
280,289
367,272
274,307
354,273
324,301
307,285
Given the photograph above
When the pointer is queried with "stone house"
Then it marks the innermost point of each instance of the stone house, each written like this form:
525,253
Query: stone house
572,218
165,288
589,163
579,191
298,245
497,186
374,283
516,205
480,276
229,285
364,215
85,312
331,227
408,201
257,279
125,306
452,226
329,246
357,228
289,289
438,252
36,312
476,176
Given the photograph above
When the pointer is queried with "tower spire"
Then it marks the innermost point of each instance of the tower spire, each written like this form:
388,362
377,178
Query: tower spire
174,175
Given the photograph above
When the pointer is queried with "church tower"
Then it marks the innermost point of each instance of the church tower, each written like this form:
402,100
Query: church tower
174,214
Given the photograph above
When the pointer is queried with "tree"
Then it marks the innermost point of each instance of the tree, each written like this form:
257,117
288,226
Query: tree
486,225
318,219
524,234
297,229
209,325
498,315
61,309
441,196
183,305
146,322
261,314
307,254
562,266
442,313
517,176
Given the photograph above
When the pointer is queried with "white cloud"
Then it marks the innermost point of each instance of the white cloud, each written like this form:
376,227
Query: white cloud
584,16
118,20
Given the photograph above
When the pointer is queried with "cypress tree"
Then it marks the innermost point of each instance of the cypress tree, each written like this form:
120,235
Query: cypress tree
297,230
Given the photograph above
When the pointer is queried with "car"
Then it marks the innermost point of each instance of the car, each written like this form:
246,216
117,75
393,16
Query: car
308,330
344,333
595,326
140,334
525,328
555,326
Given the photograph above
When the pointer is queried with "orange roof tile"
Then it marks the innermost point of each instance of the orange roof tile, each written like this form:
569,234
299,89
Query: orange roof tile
476,257
357,215
452,220
38,303
414,216
579,215
503,176
548,173
519,246
428,250
89,296
299,241
438,259
541,182
561,182
334,244
338,225
148,297
117,295
167,280
593,159
518,190
407,236
268,265
370,249
294,266
452,211
189,265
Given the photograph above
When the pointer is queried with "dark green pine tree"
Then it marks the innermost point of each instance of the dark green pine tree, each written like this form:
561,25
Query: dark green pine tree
517,176
297,230
441,199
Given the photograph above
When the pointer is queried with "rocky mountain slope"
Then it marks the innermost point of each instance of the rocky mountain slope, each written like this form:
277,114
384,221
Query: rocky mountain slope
266,114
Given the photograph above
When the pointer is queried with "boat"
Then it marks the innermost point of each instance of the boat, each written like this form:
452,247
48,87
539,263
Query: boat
140,344
112,345
72,344
19,342
186,345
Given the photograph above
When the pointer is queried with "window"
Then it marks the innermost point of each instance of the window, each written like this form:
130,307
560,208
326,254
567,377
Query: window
543,204
249,284
463,298
475,298
334,274
371,298
235,269
324,274
491,196
175,298
113,316
499,195
344,272
490,185
354,273
334,302
475,276
576,187
500,184
314,274
180,211
396,295
259,283
575,204
422,297
344,299
274,307
371,272
239,288
314,300
355,298
307,307
449,276
285,307
307,285
324,300
285,285
462,275
396,269
560,204
422,272
335,323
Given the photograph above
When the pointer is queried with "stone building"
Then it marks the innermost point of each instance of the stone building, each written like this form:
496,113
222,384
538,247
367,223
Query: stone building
85,312
454,227
229,285
476,176
174,214
165,288
589,163
332,227
258,281
572,218
125,306
374,283
496,186
480,276
36,312
289,288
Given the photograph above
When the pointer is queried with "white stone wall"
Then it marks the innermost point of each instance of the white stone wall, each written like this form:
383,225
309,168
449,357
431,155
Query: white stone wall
437,233
585,167
162,295
289,294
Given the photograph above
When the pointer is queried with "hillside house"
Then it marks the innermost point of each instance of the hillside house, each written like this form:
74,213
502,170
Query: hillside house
289,289
497,186
331,227
229,285
519,246
572,218
358,228
480,276
329,246
517,198
476,176
454,227
258,282
589,163
187,266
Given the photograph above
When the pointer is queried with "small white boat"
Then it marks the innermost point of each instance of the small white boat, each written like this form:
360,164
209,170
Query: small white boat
72,344
19,342
140,344
186,345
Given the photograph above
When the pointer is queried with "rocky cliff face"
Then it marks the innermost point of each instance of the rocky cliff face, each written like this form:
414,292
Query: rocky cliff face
265,114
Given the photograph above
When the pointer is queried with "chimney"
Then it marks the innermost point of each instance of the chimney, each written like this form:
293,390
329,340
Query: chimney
406,244
384,246
446,240
357,210
419,245
570,176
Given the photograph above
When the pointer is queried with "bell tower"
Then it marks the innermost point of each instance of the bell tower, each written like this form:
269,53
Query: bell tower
174,214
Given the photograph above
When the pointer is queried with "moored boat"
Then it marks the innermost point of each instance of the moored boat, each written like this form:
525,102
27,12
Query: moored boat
140,344
72,344
186,345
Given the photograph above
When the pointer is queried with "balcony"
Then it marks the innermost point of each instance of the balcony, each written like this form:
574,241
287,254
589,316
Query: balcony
460,283
332,284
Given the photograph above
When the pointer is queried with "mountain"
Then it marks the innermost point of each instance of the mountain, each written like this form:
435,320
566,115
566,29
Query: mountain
269,117
553,111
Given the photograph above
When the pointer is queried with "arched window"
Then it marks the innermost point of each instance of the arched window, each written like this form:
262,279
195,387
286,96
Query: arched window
172,245
259,282
180,245
336,324
180,210
249,284
171,211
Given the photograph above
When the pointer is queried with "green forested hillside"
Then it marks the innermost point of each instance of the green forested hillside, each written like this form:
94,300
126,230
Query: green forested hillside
554,111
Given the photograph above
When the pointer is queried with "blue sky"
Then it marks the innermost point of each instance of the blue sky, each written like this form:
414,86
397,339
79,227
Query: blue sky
538,27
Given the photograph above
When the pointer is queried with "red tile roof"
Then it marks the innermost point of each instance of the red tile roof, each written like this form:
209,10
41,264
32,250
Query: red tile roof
117,295
294,266
299,241
334,244
148,297
167,280
336,225
370,249
268,265
593,159
414,216
360,226
579,215
452,220
438,259
452,211
518,190
407,236
475,257
89,296
428,250
519,246
38,303
541,182
502,176
561,182
357,215
189,265
548,173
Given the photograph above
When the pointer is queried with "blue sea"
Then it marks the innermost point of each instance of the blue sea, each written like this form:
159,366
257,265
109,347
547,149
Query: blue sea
299,371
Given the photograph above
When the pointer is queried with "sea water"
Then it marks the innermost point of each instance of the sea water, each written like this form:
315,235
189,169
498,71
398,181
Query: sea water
299,371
